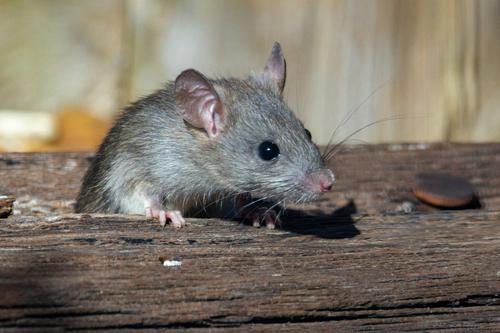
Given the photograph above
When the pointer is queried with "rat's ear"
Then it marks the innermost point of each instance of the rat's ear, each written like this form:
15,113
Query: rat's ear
276,67
199,103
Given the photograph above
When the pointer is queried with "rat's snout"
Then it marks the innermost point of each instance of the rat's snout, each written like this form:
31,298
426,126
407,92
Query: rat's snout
321,180
325,186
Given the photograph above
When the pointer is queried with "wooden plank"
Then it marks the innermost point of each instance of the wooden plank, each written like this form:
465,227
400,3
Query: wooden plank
417,272
377,177
338,266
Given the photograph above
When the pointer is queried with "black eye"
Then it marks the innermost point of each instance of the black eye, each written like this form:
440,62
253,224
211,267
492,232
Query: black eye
268,150
308,133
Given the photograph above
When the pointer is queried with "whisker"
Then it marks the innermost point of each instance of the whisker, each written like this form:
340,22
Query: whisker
330,151
349,115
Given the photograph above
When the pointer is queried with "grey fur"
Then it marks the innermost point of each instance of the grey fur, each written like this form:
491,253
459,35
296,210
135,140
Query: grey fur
151,151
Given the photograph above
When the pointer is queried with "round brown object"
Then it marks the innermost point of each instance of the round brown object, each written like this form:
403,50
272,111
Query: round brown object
443,190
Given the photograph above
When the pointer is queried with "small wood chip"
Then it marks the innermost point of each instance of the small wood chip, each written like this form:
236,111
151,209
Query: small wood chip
6,203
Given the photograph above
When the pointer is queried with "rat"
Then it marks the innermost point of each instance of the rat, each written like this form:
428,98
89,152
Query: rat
200,138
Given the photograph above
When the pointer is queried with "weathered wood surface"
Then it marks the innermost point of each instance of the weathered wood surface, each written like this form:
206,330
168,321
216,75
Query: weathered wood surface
342,267
377,177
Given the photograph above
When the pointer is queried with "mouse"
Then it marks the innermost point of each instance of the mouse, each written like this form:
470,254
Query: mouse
200,139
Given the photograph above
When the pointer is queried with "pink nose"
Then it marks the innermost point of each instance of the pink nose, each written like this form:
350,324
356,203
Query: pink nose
321,180
325,186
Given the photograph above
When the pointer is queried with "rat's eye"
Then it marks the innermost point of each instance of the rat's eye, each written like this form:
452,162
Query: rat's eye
268,150
308,133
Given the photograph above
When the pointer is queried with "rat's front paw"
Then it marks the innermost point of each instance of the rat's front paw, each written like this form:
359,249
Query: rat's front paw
262,216
174,216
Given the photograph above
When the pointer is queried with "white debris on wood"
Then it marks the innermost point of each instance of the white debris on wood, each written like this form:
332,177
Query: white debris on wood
415,146
418,146
27,205
70,165
406,207
172,263
395,147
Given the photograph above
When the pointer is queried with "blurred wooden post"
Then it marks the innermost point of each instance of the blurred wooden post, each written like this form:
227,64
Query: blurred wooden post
461,70
435,63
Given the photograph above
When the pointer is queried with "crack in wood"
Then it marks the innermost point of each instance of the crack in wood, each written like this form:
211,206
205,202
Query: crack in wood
468,301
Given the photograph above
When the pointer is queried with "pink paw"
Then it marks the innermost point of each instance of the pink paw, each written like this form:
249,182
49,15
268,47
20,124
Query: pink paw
174,216
262,216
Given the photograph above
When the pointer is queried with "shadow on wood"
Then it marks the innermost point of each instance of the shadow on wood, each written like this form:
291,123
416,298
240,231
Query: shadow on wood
336,225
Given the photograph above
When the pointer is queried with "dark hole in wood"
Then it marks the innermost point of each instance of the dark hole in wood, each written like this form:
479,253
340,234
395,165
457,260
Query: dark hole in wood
9,162
137,241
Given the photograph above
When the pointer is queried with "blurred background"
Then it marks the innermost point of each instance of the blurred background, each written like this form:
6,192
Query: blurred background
425,70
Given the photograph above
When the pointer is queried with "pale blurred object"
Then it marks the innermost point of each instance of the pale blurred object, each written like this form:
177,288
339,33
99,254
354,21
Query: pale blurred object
20,131
71,129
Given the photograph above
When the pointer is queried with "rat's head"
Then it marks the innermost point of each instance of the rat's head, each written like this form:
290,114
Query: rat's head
250,139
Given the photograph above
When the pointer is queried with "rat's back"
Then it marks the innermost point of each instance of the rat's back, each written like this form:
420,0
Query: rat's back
129,153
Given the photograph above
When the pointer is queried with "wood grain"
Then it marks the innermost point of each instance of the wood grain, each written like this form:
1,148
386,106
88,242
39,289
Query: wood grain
377,177
422,272
342,265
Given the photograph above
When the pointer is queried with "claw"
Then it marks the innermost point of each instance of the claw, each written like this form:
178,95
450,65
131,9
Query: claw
174,216
262,216
162,217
